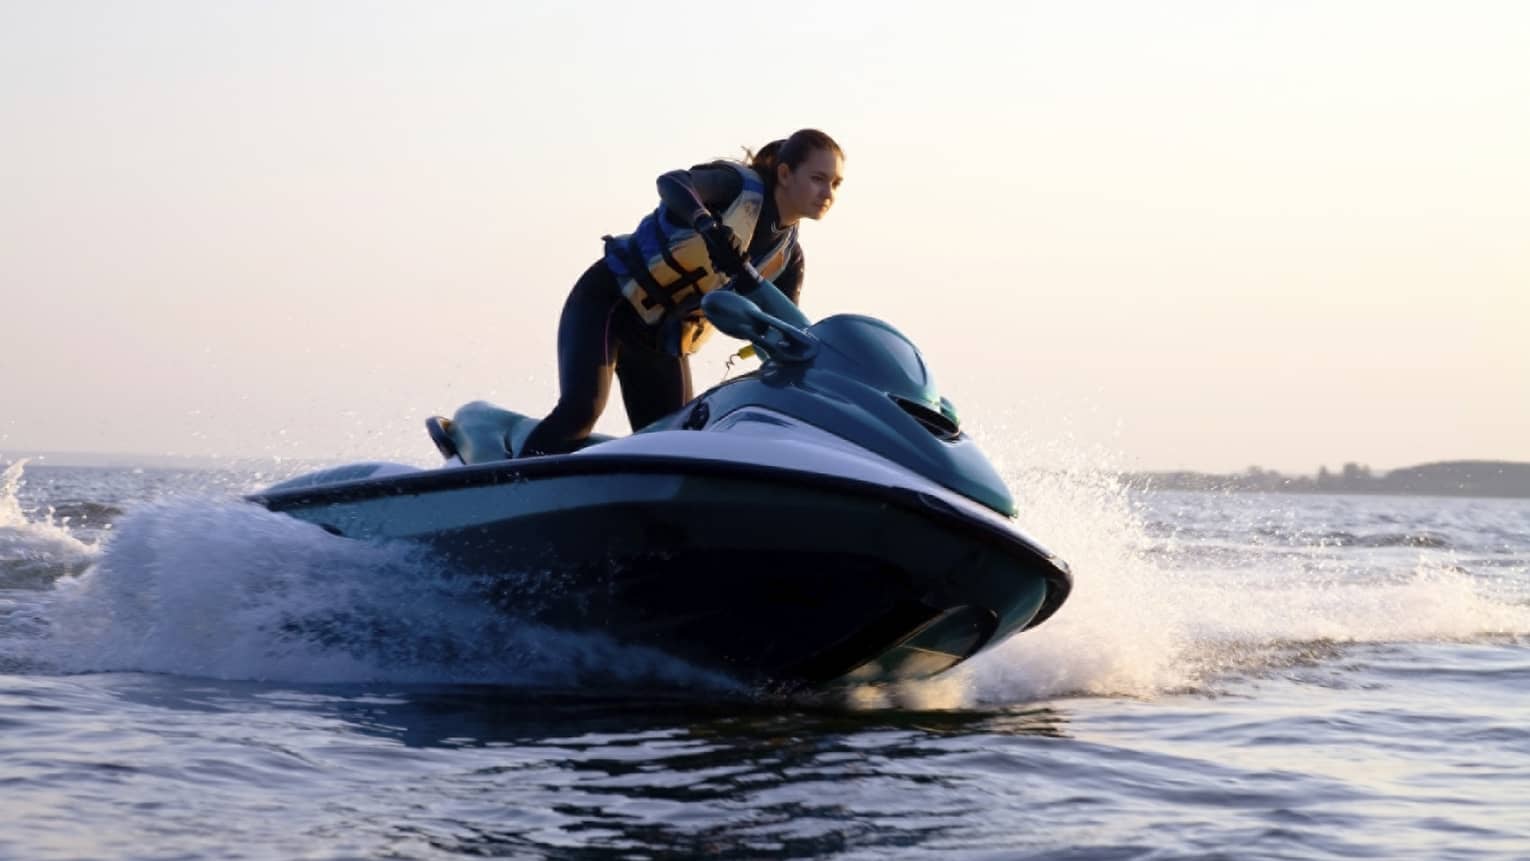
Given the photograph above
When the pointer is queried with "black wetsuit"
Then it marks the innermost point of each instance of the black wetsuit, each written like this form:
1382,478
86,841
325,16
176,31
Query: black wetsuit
600,332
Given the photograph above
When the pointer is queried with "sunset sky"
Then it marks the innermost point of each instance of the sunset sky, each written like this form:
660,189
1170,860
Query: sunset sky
1192,234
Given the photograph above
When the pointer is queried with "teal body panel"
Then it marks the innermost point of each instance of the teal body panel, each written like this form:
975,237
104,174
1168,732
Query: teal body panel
852,389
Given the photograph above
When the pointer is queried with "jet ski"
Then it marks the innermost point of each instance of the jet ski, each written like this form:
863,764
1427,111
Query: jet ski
821,521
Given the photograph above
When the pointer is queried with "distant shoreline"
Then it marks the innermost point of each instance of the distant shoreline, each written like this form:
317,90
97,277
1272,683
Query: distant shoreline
1483,478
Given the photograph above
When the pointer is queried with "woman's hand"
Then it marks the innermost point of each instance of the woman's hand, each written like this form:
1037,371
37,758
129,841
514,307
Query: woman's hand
723,245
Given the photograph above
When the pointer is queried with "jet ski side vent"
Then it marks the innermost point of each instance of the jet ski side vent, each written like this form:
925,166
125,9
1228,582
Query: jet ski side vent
942,426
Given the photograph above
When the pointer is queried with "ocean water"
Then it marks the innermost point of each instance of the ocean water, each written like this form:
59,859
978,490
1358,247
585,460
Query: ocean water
183,675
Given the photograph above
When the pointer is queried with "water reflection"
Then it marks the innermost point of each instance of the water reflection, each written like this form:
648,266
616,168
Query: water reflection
486,771
486,716
698,777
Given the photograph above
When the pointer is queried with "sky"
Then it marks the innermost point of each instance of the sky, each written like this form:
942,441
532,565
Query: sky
1200,235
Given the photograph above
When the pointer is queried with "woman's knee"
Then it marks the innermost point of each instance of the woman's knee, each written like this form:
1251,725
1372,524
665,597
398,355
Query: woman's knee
576,415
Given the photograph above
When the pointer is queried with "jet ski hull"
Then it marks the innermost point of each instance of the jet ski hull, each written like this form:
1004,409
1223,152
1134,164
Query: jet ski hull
770,575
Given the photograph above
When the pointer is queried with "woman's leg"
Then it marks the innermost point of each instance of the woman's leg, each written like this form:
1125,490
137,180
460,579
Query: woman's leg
587,352
653,384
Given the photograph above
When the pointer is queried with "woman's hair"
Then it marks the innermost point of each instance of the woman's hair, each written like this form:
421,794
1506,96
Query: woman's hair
791,152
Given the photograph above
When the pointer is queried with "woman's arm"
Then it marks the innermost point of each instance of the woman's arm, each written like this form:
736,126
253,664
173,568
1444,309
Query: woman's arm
688,194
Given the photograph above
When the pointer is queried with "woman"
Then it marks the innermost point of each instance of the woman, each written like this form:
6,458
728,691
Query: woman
636,312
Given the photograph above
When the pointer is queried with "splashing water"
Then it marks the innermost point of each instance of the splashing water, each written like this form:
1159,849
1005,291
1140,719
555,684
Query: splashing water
215,588
1137,626
33,551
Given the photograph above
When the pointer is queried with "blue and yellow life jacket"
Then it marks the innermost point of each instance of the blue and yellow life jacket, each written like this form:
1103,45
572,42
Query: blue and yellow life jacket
664,270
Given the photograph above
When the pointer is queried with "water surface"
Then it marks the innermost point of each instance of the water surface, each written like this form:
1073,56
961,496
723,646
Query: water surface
1237,676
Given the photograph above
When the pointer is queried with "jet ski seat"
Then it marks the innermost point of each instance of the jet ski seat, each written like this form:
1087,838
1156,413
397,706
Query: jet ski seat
481,432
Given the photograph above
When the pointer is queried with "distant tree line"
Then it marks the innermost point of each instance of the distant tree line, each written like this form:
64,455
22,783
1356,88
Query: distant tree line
1446,478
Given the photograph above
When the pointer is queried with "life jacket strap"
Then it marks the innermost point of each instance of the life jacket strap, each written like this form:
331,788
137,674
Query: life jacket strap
637,269
655,293
683,277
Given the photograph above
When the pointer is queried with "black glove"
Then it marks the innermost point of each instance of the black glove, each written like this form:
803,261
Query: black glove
723,245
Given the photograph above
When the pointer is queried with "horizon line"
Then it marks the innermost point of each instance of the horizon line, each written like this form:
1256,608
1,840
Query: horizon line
67,457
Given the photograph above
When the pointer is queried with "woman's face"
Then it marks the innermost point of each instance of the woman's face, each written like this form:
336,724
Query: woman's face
808,190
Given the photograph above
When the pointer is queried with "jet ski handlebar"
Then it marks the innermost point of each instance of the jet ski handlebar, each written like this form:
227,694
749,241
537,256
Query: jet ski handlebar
752,286
738,316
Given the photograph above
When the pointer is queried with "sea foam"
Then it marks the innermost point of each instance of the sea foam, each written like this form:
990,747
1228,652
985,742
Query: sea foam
222,588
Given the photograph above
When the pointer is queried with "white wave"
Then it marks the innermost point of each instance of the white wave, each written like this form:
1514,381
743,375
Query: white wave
1135,626
224,589
33,548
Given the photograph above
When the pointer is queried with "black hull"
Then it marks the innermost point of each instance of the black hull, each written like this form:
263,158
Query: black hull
767,575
